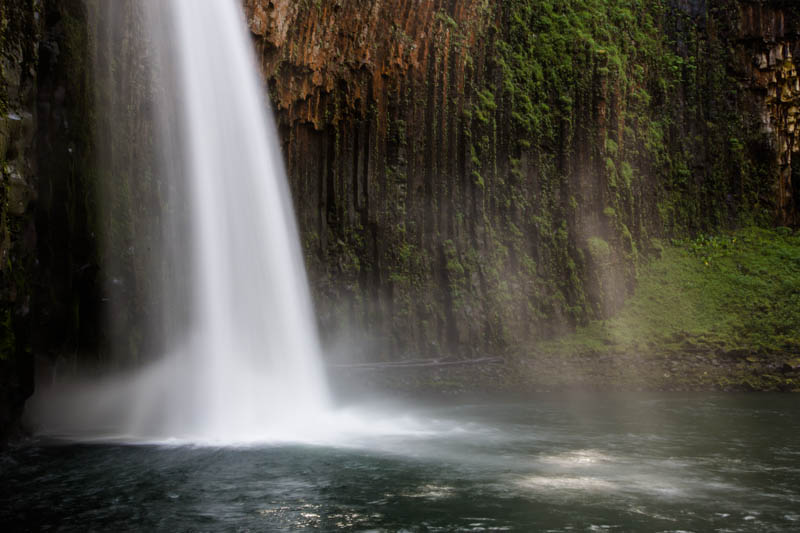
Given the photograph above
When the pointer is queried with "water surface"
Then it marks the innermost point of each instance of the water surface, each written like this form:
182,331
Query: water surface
545,463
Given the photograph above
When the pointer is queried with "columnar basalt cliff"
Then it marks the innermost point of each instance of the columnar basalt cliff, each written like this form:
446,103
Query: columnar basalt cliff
472,173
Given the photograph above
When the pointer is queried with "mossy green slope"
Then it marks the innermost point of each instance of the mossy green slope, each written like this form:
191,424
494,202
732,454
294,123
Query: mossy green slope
730,302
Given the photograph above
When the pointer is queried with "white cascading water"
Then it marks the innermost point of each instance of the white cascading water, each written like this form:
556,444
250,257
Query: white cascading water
246,366
251,363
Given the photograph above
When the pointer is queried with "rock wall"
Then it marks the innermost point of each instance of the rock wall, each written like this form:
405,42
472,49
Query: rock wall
97,207
20,30
469,174
49,273
767,47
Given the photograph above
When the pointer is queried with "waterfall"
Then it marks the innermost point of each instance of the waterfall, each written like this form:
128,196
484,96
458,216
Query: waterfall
244,364
252,350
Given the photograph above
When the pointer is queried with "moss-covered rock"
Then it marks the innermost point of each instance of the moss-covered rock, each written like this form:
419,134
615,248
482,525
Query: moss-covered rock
487,143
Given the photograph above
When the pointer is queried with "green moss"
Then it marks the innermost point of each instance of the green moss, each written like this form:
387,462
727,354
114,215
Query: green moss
446,19
456,274
738,291
626,173
611,172
485,106
598,249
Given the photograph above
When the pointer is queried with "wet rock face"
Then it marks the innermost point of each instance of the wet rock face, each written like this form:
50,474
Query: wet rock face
769,37
48,296
694,8
20,30
433,220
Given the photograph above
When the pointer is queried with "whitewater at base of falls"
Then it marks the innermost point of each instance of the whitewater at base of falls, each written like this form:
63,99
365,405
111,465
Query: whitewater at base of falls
89,411
245,364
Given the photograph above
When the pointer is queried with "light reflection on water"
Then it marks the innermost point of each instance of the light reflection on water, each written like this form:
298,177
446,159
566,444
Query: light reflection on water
550,463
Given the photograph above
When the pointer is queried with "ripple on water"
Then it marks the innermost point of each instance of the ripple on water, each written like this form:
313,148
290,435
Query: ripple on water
431,491
567,483
577,458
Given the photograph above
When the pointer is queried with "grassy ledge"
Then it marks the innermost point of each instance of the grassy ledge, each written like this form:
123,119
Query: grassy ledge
716,312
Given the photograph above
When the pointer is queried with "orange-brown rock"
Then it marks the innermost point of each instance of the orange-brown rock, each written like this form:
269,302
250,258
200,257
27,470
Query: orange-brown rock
768,38
307,49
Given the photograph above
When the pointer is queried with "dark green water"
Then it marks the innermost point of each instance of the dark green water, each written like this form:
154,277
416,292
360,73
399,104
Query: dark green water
548,463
